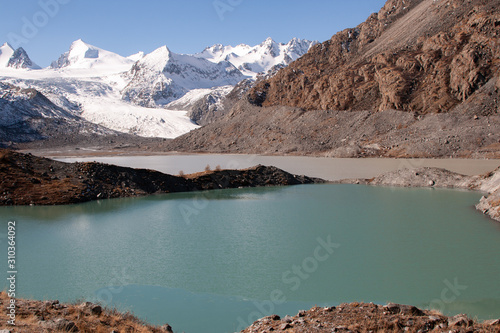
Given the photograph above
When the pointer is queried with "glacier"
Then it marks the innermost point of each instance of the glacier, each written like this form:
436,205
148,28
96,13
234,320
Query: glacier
147,95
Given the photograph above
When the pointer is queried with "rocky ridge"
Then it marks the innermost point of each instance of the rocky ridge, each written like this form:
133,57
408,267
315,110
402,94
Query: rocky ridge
31,180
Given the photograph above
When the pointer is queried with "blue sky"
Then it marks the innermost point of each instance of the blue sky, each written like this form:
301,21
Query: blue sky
46,28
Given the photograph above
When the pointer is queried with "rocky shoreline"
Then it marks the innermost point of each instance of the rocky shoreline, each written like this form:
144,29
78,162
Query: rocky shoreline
369,317
442,178
32,180
52,316
32,316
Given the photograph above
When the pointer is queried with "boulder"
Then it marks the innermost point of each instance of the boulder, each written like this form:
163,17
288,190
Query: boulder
403,309
96,309
460,320
167,328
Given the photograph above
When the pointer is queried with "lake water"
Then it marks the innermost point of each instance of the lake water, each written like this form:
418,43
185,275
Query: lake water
216,261
326,168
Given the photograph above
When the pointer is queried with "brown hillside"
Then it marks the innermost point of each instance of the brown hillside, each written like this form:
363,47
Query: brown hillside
423,56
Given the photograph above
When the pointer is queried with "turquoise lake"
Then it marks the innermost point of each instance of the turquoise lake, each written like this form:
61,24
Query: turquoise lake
218,260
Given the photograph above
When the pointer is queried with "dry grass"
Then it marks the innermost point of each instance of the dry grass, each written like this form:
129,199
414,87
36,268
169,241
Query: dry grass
39,316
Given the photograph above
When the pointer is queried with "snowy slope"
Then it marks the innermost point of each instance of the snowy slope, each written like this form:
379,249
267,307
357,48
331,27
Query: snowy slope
6,52
98,101
187,101
136,56
85,56
123,117
260,58
164,76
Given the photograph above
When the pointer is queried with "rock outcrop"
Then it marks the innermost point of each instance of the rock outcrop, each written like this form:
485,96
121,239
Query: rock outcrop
421,56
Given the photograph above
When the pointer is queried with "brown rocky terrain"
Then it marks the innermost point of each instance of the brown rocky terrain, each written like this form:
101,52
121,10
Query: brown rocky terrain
420,78
51,316
282,130
363,317
27,179
420,56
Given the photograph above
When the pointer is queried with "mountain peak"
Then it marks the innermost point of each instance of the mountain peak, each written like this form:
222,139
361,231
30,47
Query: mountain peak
78,41
79,49
268,41
82,55
136,56
6,45
15,58
154,61
214,48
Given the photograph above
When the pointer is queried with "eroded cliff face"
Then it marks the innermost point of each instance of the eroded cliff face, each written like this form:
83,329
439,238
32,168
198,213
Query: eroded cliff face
423,56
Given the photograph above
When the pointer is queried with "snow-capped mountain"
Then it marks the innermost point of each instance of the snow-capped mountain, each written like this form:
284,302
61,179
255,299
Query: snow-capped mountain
136,56
159,94
85,56
164,76
15,58
258,59
86,82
